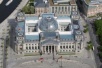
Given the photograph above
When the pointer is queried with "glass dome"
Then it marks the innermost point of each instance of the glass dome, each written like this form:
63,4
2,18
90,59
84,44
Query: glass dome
48,24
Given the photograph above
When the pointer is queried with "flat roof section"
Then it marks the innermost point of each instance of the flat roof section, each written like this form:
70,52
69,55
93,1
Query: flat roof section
61,2
40,3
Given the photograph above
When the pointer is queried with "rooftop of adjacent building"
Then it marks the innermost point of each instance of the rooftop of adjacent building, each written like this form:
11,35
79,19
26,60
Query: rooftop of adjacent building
93,2
47,3
41,3
61,2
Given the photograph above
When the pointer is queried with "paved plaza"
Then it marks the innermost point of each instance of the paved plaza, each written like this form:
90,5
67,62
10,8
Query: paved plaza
49,63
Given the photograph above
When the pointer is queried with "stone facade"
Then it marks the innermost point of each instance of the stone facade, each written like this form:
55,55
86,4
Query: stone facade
61,37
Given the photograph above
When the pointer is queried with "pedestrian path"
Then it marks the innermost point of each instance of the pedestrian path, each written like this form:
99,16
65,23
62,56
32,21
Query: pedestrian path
49,63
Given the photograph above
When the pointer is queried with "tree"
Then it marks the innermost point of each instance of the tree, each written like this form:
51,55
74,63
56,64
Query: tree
99,48
100,54
89,42
85,26
98,28
85,30
31,1
31,9
89,47
26,9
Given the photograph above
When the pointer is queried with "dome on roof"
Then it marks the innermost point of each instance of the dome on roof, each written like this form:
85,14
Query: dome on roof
48,24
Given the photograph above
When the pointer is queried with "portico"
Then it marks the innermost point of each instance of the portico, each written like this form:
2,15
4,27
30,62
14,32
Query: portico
49,48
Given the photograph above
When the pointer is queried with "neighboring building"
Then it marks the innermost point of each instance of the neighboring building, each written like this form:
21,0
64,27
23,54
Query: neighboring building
91,7
41,6
48,34
62,7
58,7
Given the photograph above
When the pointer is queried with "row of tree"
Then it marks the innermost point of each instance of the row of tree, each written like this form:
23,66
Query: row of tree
98,29
29,8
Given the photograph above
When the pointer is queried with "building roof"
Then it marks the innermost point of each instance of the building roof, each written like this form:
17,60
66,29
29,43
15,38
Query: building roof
48,34
76,24
61,2
48,24
31,37
20,28
93,2
73,2
49,41
47,15
63,19
40,3
31,19
67,37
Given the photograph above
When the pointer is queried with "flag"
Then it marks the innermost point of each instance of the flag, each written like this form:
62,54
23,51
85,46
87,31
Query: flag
40,59
60,57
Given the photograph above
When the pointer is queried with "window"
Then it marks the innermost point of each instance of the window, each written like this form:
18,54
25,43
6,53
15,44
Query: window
73,46
69,46
65,8
32,47
60,47
55,9
63,43
62,8
52,9
78,47
64,47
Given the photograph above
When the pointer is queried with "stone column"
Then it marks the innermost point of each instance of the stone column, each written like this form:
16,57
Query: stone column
54,48
45,49
42,49
48,49
51,49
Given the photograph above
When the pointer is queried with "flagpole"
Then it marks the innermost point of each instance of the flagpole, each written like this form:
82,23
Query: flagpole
61,62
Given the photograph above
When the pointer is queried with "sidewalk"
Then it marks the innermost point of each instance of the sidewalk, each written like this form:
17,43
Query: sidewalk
4,25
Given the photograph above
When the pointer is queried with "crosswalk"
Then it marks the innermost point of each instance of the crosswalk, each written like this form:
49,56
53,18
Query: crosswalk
7,3
10,1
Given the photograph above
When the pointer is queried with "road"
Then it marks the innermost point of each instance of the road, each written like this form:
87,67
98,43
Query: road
94,42
5,11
